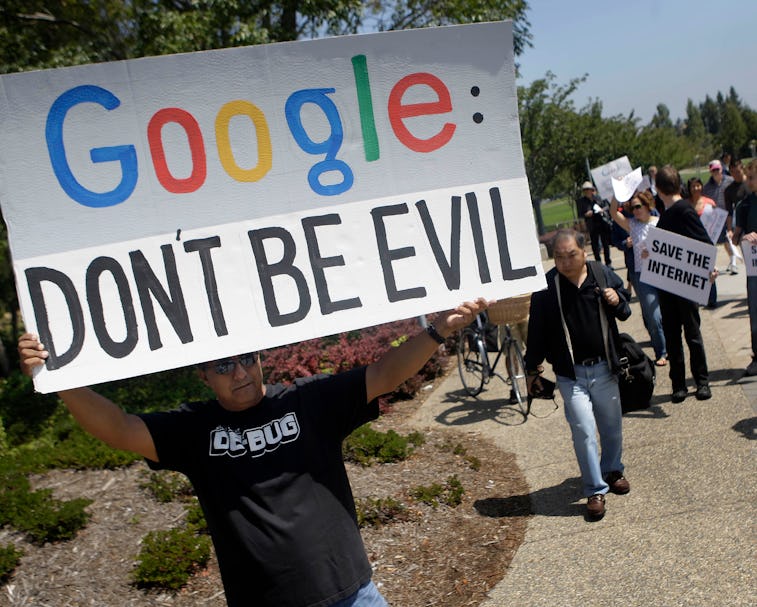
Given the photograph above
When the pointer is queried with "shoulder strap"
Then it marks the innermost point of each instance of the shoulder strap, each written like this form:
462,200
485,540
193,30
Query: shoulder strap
599,277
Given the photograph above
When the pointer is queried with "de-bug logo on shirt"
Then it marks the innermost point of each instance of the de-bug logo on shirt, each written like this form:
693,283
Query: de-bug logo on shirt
255,441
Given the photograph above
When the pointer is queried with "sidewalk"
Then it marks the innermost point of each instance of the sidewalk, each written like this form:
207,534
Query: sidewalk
685,535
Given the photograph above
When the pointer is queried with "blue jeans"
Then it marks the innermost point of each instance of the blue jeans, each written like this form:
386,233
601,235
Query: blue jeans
650,311
366,596
751,296
592,403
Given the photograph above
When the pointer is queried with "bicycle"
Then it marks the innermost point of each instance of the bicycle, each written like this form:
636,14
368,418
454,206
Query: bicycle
476,369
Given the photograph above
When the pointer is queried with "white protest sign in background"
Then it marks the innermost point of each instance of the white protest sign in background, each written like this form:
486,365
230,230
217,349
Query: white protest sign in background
679,265
713,220
190,207
750,257
624,187
602,175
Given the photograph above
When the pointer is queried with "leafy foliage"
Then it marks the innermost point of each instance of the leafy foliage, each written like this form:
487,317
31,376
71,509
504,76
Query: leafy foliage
366,446
166,486
168,558
346,351
36,513
375,512
10,557
449,494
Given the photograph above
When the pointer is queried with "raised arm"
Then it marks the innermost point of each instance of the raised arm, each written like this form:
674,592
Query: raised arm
617,215
401,363
99,416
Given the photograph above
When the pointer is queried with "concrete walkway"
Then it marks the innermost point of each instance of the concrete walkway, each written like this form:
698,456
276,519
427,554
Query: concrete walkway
685,535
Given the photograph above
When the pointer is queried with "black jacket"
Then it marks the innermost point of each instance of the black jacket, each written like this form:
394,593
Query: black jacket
546,337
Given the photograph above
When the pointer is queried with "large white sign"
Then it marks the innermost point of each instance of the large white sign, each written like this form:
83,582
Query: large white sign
169,210
602,175
679,265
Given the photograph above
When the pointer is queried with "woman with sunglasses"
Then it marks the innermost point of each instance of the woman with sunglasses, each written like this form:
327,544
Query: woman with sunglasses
702,204
640,206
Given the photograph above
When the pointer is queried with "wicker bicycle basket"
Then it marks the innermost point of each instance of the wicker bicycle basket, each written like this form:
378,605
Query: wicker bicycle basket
510,311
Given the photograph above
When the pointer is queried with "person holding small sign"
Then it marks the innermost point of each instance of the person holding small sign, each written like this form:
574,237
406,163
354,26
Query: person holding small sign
566,328
745,233
595,212
641,205
266,464
680,314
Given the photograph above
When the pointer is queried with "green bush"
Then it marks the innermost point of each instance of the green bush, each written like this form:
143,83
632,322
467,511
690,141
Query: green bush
168,558
195,518
450,494
23,411
374,512
166,486
10,557
366,446
36,513
68,446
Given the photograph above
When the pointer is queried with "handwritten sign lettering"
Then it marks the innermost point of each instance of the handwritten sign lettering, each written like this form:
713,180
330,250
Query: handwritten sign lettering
201,205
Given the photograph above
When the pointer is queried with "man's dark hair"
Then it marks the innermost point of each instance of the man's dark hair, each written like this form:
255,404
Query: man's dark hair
668,180
567,233
735,164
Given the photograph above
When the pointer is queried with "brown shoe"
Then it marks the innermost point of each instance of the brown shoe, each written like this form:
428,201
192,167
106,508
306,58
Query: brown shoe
618,483
595,506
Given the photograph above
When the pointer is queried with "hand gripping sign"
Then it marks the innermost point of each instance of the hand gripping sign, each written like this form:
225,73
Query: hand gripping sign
196,206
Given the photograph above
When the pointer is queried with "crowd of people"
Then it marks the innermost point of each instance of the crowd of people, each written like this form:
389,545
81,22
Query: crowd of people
283,520
573,322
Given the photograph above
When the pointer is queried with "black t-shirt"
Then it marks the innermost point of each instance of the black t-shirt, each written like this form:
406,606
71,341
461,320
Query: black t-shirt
272,483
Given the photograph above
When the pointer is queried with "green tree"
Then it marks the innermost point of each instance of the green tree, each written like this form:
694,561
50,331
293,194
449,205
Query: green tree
710,115
550,131
661,119
694,129
733,133
38,34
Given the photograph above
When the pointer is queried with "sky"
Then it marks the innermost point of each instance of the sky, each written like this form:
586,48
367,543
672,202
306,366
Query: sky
640,53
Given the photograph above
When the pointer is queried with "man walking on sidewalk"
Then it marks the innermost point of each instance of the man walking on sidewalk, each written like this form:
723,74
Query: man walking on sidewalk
565,327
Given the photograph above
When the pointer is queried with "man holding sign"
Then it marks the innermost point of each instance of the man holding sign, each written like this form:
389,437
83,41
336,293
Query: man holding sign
266,464
746,235
678,313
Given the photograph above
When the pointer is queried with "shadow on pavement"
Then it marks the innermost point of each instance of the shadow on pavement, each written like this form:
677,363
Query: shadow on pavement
559,500
472,410
747,428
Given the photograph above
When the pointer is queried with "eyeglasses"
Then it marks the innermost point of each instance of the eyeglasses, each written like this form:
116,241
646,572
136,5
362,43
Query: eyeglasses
227,365
636,207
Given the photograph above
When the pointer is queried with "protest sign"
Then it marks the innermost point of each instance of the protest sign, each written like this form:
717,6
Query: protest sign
625,186
750,257
713,220
603,175
679,265
169,210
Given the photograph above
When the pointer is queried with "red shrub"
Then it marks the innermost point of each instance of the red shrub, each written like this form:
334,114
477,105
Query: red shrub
345,351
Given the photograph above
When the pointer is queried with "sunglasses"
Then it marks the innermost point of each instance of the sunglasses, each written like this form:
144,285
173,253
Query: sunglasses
635,207
227,365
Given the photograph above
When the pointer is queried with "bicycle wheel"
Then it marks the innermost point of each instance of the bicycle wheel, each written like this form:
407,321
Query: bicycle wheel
516,369
472,361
